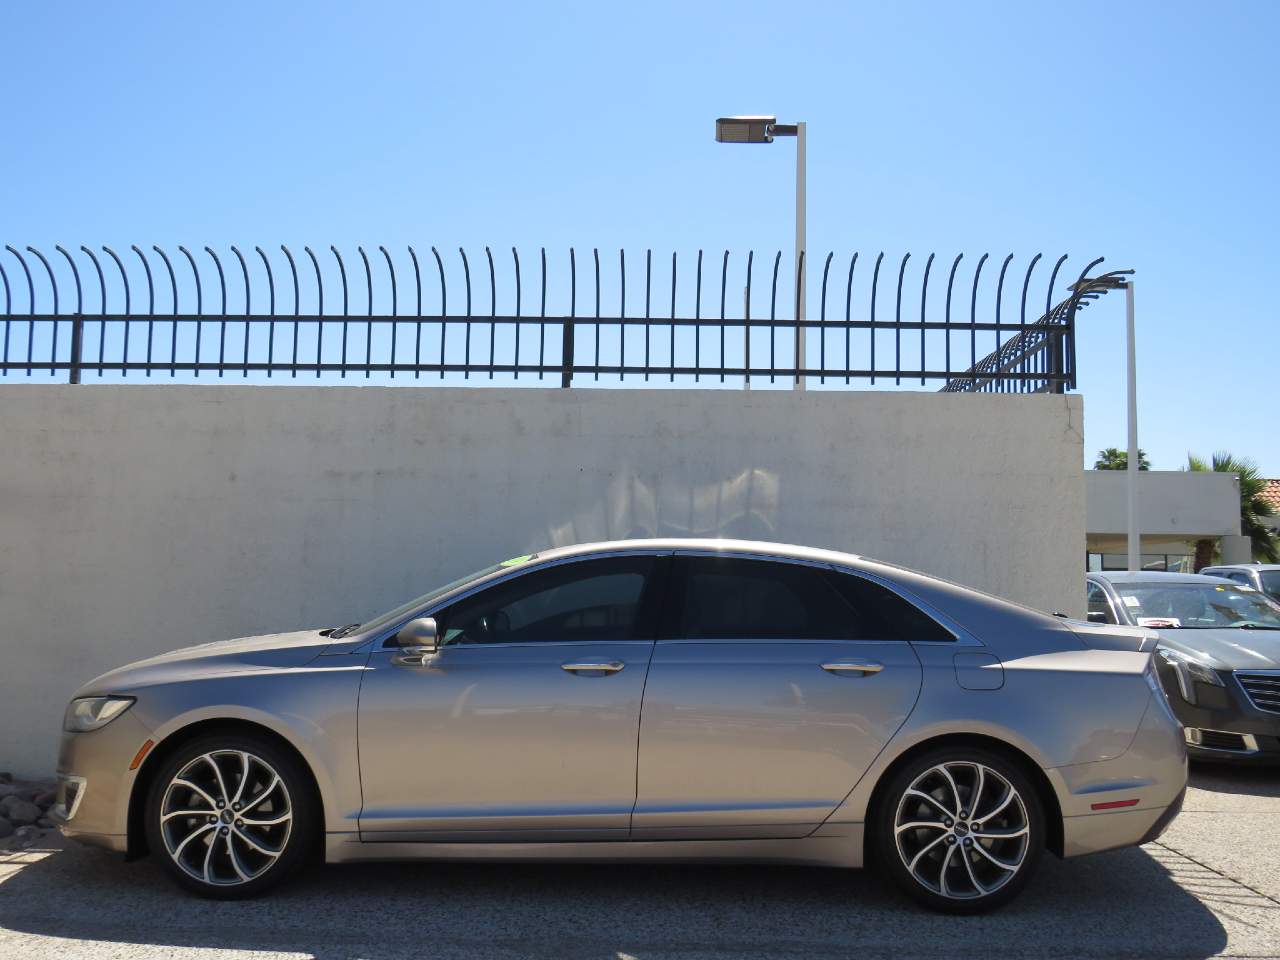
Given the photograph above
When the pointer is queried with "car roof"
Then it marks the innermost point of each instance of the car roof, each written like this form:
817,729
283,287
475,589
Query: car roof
761,547
1151,576
1244,566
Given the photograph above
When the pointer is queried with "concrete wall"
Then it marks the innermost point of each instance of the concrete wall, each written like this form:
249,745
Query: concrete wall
135,519
1174,506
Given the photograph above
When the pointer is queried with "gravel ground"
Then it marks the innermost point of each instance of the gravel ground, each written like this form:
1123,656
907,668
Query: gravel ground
1209,887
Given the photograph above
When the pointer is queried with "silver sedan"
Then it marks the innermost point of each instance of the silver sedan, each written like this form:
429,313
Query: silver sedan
675,700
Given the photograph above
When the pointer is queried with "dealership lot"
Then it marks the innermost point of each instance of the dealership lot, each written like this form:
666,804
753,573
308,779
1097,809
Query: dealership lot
1209,887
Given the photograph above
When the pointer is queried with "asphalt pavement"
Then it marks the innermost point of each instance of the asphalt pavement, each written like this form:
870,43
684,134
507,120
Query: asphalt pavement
1210,887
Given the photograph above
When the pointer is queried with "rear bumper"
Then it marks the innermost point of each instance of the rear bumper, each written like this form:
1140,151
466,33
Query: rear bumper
1152,772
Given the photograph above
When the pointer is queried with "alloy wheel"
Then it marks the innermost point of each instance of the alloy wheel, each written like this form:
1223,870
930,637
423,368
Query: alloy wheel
962,830
226,817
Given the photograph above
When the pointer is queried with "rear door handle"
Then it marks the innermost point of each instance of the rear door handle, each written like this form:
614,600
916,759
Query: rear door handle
593,666
860,667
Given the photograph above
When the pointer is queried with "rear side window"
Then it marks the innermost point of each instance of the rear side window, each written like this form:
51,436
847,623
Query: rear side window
880,614
728,598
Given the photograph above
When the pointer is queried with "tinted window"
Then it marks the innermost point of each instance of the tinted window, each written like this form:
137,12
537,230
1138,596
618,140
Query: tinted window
590,600
880,614
735,599
1098,602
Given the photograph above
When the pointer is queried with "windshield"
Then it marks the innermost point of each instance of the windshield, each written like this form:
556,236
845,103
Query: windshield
407,608
1271,582
1198,605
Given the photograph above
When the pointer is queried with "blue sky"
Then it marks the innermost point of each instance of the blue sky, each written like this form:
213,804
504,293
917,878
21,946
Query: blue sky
1142,132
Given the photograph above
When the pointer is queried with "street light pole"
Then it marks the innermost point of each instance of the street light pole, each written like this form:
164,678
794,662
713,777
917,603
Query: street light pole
760,129
1135,558
802,268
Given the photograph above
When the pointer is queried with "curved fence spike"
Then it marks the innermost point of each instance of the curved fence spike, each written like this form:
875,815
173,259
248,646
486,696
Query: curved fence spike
124,277
493,310
222,325
77,325
951,279
102,322
672,354
53,285
822,318
622,313
248,310
342,270
1025,363
924,297
199,303
31,305
875,289
1054,358
848,314
973,313
773,316
271,324
8,313
391,269
724,282
417,340
1075,303
293,273
466,352
151,301
595,253
315,265
368,327
746,322
444,308
999,298
897,316
173,329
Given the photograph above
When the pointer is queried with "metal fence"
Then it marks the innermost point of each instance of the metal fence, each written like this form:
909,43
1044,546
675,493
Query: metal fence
715,318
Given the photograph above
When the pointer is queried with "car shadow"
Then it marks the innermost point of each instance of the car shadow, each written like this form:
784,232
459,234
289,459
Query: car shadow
1128,903
1236,778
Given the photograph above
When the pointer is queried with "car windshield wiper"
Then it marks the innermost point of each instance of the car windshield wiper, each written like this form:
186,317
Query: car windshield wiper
1254,625
338,632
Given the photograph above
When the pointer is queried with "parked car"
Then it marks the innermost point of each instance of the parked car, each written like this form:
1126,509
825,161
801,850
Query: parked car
1218,656
676,700
1260,576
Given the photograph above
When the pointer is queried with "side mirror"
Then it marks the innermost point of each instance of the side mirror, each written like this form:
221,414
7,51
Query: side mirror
1097,616
417,641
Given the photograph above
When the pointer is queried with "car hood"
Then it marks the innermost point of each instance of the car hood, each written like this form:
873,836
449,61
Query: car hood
1108,636
1229,648
271,651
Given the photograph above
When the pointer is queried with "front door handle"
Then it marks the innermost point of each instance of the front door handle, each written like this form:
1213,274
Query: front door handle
860,667
593,666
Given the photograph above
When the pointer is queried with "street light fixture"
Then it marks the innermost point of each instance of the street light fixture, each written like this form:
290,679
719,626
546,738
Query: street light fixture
1131,467
763,130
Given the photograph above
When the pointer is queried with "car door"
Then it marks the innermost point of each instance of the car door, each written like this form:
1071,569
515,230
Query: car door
768,697
524,724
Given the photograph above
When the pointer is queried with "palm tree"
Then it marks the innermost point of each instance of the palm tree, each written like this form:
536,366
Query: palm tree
1252,508
1113,459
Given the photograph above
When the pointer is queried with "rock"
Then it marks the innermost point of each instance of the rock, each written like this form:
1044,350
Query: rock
6,777
6,828
45,799
44,822
29,793
7,790
22,811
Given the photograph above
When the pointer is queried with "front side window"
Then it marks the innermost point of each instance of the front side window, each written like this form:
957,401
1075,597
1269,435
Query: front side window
588,600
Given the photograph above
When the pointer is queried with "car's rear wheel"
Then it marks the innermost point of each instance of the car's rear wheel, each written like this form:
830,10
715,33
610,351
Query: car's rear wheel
230,815
961,830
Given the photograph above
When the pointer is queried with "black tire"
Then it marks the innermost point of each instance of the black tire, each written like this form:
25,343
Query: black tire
226,854
1012,834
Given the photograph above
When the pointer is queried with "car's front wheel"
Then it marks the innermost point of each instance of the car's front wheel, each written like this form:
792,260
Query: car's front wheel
960,830
230,815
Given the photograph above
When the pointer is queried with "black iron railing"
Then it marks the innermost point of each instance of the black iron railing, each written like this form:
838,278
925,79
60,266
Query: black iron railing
713,318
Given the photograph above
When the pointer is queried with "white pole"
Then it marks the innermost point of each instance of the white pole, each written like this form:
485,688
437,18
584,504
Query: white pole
800,272
1135,559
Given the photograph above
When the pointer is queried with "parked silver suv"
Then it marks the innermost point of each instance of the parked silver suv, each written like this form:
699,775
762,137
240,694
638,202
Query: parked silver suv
1261,576
653,700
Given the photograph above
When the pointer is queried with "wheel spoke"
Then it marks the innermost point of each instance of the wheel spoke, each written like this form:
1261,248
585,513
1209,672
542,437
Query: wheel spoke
184,813
1008,799
923,850
973,878
265,851
1003,865
275,779
942,874
235,860
1000,834
199,831
955,791
931,799
272,822
977,791
222,787
188,785
913,825
244,776
208,858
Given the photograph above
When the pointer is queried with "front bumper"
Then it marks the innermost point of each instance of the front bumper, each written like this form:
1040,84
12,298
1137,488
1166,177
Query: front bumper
95,782
1223,725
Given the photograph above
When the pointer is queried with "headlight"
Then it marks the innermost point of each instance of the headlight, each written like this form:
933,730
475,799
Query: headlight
91,713
1188,670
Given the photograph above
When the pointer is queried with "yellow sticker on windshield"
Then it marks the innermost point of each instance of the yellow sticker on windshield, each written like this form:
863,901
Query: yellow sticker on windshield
516,560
